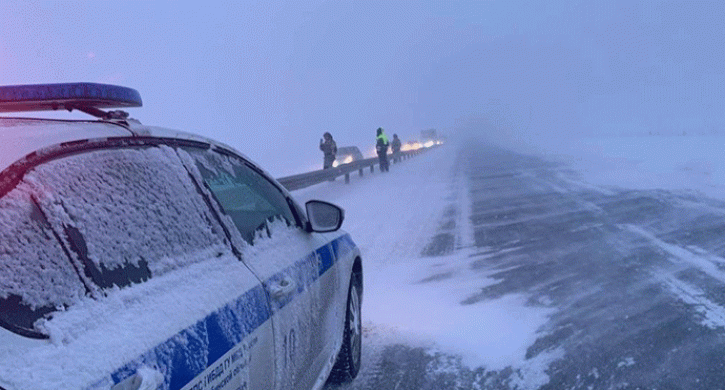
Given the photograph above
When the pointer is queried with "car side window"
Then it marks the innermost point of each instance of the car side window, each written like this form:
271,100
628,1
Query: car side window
127,214
36,276
246,196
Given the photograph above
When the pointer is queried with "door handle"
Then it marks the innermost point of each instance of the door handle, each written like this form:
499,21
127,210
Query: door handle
283,288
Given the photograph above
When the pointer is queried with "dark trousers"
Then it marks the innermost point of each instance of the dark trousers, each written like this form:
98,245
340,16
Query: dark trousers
383,159
396,156
328,162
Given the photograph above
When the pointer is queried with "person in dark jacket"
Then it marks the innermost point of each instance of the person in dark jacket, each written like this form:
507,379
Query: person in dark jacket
329,149
395,145
381,146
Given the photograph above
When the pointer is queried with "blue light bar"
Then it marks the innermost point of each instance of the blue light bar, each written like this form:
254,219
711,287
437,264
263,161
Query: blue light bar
45,97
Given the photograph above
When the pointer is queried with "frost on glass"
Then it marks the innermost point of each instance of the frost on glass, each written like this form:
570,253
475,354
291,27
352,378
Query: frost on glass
247,197
127,214
36,277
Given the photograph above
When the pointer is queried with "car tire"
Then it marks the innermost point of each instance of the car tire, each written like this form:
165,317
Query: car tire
348,360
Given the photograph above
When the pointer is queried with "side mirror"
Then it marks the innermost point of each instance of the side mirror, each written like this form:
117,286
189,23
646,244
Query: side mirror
324,217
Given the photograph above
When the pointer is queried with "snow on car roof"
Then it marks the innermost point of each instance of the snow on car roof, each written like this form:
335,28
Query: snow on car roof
348,149
22,136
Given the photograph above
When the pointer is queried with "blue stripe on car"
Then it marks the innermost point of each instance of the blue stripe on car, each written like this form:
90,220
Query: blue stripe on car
342,246
192,350
326,258
187,354
303,272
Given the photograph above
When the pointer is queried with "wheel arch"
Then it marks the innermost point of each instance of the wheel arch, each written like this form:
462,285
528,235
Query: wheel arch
357,270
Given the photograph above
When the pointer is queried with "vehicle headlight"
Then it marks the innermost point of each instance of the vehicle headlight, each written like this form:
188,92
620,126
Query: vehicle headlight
335,164
347,160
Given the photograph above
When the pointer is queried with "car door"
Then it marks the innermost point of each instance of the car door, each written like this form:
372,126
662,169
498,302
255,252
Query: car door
184,312
295,266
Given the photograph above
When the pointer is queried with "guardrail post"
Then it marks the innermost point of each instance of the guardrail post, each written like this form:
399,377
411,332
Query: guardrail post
372,168
361,172
347,178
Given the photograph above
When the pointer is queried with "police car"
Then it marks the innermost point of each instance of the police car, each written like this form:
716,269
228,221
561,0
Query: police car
136,257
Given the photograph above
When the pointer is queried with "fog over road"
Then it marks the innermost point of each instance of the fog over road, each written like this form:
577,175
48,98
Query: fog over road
634,281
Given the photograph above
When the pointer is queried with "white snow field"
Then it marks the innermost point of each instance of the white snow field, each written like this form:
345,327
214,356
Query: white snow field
669,162
392,216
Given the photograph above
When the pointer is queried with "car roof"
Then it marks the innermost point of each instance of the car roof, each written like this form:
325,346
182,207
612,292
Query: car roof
20,137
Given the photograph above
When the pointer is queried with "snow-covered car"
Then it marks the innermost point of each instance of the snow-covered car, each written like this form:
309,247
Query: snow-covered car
346,155
137,257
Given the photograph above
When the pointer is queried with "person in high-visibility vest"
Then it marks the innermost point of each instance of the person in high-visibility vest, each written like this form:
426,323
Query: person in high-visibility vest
381,146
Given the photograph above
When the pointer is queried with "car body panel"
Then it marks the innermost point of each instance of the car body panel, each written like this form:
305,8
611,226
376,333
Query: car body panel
244,332
238,337
95,349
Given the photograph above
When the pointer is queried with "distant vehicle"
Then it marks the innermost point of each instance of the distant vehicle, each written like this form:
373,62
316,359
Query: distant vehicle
428,135
411,145
429,138
346,155
136,257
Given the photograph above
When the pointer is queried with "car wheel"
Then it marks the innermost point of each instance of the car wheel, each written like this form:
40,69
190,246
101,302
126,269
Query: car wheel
348,360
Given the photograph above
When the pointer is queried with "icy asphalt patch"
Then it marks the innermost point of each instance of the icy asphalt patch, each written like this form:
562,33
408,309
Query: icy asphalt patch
619,289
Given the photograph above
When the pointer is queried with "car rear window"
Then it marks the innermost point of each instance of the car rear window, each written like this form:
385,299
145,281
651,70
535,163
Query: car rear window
36,276
80,224
128,214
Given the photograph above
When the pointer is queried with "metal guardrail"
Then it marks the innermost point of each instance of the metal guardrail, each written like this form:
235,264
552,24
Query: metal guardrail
302,180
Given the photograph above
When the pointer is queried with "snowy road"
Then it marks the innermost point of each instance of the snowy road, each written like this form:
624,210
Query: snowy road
509,273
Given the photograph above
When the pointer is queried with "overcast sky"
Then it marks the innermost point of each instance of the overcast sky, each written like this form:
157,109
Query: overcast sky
270,77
